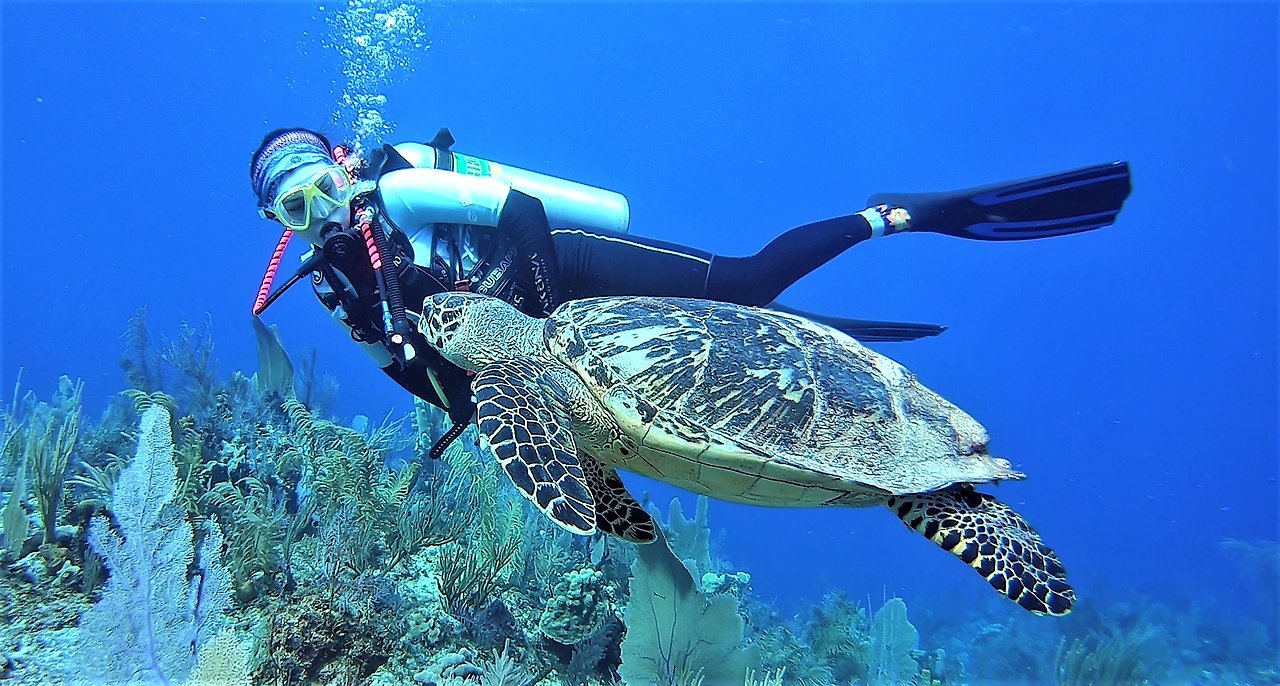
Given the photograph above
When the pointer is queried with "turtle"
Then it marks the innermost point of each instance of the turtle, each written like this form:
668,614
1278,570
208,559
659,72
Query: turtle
739,403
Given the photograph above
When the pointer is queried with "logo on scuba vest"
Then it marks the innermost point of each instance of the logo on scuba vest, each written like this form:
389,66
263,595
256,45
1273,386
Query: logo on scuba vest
495,275
541,283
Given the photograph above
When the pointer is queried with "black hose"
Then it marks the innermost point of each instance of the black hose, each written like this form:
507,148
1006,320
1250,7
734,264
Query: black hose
391,280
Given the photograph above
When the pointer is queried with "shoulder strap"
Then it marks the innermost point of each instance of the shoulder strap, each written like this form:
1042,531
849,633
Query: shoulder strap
386,159
442,143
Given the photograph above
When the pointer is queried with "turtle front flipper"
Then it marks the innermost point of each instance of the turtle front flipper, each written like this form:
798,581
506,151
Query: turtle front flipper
617,512
994,540
521,411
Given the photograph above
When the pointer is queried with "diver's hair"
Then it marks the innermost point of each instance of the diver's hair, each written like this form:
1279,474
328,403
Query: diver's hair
266,140
277,141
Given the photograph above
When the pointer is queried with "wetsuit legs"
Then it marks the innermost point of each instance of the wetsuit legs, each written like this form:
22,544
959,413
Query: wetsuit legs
758,279
595,263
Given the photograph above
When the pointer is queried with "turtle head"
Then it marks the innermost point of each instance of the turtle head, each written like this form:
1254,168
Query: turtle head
472,330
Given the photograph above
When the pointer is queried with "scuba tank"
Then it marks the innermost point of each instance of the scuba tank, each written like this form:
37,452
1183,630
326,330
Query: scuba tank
568,203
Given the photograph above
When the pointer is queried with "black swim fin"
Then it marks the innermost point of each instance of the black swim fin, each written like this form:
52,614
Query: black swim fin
866,330
1057,205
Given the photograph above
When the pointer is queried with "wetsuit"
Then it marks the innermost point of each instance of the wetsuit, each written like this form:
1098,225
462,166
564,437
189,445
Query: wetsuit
595,263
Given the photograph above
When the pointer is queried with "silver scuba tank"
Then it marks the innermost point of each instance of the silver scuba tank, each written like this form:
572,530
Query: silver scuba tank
568,203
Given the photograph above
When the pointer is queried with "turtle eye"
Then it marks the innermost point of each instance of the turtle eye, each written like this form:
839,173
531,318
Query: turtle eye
449,319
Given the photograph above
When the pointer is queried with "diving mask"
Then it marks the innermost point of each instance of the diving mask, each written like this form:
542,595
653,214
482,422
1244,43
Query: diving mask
313,197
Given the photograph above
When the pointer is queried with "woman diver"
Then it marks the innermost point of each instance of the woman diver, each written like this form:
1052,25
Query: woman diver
415,219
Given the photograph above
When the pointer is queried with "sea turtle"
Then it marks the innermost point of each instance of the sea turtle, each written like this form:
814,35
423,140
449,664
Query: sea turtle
743,404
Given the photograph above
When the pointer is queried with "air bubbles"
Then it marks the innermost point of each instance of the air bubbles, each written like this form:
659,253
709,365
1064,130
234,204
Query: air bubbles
380,41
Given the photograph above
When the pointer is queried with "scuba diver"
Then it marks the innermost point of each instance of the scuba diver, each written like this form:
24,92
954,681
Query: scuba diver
404,222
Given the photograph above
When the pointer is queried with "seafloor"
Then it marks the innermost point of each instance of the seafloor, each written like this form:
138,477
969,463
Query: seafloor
224,529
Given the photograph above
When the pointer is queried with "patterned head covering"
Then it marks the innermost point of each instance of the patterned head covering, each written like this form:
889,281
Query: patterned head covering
281,152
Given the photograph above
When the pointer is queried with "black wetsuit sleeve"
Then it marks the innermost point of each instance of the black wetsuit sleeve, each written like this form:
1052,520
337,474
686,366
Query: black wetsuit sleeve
416,379
417,384
524,220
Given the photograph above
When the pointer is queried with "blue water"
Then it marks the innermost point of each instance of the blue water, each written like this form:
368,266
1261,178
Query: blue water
1131,372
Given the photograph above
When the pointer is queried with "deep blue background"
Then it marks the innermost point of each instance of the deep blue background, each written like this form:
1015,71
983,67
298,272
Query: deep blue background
1130,372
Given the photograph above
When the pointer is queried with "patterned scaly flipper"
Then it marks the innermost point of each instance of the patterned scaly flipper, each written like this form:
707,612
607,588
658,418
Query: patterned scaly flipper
521,411
994,540
617,512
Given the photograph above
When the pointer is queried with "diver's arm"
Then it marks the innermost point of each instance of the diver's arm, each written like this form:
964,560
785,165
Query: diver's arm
525,220
417,379
417,198
421,380
376,351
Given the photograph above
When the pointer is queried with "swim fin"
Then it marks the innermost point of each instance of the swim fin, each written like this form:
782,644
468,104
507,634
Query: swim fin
866,330
1057,205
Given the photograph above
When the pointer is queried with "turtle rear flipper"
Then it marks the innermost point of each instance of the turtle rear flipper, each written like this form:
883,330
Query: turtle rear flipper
520,410
617,512
994,540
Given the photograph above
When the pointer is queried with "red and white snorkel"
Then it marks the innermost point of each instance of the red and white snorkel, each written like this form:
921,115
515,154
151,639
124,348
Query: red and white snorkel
265,297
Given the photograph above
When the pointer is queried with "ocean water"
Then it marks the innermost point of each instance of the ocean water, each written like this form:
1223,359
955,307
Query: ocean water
1131,372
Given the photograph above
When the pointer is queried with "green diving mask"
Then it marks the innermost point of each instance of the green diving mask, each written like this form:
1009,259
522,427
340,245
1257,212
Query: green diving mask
313,197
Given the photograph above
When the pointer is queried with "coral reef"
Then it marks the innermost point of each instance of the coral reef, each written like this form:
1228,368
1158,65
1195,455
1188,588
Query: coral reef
261,540
579,606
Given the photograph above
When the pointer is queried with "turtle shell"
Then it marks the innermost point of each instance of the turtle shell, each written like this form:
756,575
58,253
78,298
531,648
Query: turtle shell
760,392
